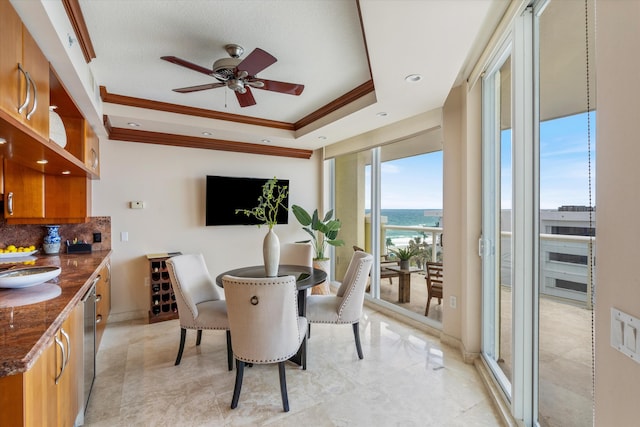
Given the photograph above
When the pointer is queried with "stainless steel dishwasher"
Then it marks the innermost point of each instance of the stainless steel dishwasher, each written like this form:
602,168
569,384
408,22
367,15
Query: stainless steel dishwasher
89,301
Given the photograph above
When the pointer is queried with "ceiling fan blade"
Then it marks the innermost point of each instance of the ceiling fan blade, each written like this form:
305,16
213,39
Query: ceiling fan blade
282,87
187,64
199,87
256,61
246,99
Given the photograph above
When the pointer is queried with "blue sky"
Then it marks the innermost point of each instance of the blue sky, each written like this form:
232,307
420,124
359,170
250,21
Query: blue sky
564,160
416,182
411,183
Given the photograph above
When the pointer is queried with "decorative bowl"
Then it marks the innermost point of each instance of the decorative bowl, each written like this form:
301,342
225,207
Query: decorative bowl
27,276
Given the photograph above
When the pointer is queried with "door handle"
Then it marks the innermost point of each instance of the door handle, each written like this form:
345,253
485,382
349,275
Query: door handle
59,344
35,98
66,337
28,96
10,203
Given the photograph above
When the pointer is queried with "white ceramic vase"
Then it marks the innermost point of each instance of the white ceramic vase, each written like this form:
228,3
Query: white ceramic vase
271,253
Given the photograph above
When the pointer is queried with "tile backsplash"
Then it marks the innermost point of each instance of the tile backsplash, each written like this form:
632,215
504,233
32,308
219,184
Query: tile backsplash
33,234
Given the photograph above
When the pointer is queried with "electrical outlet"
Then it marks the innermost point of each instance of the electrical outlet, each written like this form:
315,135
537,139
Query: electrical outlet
453,301
97,237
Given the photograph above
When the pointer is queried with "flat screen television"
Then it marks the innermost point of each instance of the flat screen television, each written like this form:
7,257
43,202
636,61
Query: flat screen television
225,194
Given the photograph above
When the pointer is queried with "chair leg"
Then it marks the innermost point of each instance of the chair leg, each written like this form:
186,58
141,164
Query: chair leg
426,311
356,335
183,335
199,338
283,387
304,354
238,386
229,351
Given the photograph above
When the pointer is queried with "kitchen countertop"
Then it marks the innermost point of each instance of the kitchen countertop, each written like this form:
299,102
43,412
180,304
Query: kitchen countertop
34,325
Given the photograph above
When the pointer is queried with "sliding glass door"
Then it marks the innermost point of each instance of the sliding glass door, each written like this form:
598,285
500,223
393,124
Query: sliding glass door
537,216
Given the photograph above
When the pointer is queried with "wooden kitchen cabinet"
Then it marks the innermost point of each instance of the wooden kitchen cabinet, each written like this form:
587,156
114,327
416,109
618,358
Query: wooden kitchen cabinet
67,199
24,192
32,197
48,394
24,74
103,301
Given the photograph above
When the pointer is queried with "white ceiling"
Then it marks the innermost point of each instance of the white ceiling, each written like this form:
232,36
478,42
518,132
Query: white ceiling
318,43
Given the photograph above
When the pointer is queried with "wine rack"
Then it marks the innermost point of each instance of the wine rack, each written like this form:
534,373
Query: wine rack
162,301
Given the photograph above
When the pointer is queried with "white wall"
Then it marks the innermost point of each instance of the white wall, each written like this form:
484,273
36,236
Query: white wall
617,377
171,182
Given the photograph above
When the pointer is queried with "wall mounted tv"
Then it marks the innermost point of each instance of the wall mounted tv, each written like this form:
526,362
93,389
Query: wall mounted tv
225,194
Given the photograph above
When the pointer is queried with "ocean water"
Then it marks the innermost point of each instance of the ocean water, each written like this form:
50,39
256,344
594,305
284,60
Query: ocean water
409,217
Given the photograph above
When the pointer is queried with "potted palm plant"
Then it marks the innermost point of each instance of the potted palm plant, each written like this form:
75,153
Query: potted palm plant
405,255
323,232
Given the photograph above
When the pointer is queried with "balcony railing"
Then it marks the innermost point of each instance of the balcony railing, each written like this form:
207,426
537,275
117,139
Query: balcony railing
565,270
431,237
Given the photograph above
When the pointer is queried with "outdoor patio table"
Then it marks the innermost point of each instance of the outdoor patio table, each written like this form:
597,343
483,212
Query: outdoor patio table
404,281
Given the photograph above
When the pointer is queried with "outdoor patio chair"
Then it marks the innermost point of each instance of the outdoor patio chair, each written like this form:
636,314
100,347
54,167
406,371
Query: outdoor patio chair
434,283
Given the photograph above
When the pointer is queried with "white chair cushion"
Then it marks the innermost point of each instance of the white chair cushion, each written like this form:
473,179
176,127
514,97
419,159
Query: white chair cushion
212,315
323,308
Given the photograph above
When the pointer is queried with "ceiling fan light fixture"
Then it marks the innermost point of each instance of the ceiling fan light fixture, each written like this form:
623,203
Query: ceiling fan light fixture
413,78
255,83
237,85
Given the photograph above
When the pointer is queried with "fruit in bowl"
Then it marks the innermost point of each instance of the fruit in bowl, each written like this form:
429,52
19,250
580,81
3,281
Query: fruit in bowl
14,249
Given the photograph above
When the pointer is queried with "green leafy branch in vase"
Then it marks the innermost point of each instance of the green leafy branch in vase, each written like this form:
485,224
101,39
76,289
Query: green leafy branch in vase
268,204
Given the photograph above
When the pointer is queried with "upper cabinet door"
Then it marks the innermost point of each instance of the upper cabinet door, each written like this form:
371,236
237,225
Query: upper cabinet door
24,74
12,81
24,192
36,64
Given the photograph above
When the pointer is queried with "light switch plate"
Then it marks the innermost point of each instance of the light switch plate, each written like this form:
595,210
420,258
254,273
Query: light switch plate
624,330
136,205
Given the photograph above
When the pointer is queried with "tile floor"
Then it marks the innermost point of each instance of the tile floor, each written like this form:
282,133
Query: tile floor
407,378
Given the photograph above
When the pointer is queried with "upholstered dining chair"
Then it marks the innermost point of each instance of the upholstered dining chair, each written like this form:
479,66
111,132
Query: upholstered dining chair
434,283
199,299
265,326
296,254
346,306
385,273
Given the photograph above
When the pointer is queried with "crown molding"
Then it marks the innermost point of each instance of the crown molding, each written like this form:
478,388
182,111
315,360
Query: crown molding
159,138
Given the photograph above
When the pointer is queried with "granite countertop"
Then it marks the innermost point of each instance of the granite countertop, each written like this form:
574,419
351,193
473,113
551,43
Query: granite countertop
25,336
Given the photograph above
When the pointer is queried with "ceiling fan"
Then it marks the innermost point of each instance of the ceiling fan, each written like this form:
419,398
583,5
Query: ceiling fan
238,74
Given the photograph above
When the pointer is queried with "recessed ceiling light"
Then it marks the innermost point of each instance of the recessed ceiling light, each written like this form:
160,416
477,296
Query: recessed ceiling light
134,124
382,114
322,137
66,172
266,141
42,162
207,133
413,78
